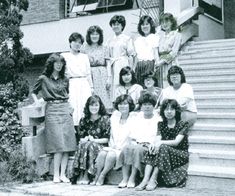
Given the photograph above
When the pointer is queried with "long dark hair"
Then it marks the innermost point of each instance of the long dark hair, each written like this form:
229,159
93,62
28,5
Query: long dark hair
94,99
124,71
175,105
150,21
123,98
49,65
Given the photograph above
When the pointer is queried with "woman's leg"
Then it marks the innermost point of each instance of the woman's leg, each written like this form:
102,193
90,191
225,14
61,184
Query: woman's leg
64,163
147,174
109,164
57,163
125,176
131,181
100,162
152,184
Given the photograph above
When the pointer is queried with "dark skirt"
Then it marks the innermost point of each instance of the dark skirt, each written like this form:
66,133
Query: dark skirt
142,68
172,164
60,133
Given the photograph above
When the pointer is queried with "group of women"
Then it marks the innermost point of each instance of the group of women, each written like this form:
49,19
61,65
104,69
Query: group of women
107,104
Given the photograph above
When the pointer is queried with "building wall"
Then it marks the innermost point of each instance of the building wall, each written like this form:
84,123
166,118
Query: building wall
229,15
43,10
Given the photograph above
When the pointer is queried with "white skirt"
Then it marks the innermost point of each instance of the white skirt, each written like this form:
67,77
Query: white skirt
79,92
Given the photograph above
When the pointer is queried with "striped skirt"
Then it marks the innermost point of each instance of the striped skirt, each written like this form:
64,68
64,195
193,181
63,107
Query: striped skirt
60,133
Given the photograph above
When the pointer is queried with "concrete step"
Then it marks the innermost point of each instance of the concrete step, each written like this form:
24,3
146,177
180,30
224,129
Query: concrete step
185,50
212,142
214,107
209,73
214,89
214,96
212,86
200,129
204,157
206,66
207,61
217,178
228,52
210,45
190,43
212,79
216,118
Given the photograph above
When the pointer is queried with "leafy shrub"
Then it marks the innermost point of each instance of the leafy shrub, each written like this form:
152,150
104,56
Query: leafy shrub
18,168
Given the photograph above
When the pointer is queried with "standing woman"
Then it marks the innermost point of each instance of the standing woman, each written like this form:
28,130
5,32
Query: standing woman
169,45
146,46
79,73
97,53
60,133
120,52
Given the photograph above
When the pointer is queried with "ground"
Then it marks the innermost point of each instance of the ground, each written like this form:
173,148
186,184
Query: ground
48,188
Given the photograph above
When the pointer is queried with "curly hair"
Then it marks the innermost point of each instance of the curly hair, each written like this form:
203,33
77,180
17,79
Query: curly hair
176,70
173,104
49,65
76,36
124,71
147,97
118,18
91,30
152,75
123,98
169,17
150,21
91,100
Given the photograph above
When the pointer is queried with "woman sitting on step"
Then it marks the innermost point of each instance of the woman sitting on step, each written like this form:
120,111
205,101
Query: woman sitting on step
121,120
166,161
182,92
93,133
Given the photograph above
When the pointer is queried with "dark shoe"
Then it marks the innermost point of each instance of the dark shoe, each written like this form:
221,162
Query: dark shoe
73,180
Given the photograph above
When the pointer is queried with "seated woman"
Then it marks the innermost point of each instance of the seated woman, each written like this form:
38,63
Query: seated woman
127,84
143,133
120,129
93,133
182,92
167,159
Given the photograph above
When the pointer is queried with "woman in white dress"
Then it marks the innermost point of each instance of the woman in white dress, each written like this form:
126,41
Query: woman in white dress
121,52
121,120
79,73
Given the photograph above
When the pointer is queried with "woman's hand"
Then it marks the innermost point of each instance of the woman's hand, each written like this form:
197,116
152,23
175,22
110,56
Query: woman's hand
91,138
154,148
85,139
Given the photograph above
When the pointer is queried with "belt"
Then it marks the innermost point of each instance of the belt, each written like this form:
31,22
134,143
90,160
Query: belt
57,101
77,77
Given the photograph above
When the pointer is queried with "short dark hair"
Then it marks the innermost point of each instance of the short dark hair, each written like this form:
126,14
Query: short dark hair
176,70
169,17
91,30
126,70
49,65
147,97
76,36
175,105
123,98
93,99
118,18
149,20
152,75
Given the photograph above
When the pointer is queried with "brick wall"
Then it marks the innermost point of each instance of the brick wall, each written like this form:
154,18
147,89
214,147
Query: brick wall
43,11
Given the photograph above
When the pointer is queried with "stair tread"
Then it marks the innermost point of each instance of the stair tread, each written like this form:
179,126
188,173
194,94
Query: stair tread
215,152
212,139
212,41
212,126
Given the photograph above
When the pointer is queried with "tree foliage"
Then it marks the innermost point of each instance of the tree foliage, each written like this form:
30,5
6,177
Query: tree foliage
13,56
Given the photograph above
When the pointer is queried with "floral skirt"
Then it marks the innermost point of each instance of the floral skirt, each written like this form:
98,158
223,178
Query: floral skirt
172,164
85,157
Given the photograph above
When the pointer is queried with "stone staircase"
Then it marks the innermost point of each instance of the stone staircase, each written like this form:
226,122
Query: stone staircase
209,67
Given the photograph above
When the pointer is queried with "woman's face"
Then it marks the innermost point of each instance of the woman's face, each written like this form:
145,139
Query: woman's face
146,27
148,82
147,108
127,78
76,45
166,25
95,36
175,79
94,108
169,112
117,28
58,65
123,107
